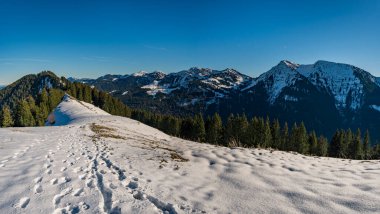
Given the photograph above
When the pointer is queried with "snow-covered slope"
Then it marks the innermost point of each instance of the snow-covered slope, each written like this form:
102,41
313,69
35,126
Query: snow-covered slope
338,79
98,163
71,111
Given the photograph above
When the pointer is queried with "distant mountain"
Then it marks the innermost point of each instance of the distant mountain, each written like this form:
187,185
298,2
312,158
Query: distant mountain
29,85
185,92
325,95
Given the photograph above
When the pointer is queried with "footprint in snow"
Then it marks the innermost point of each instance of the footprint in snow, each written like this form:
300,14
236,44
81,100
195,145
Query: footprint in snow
82,177
64,180
90,183
38,180
78,169
37,188
23,202
78,192
53,181
112,186
57,198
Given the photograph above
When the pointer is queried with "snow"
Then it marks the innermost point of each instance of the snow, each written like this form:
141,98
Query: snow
156,88
338,79
375,107
139,74
45,83
290,98
138,169
70,110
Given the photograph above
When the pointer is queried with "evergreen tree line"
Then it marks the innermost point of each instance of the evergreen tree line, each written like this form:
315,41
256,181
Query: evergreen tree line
30,111
238,130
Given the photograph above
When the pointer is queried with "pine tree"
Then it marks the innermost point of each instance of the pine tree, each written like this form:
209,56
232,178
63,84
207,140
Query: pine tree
284,137
376,151
302,145
43,97
366,146
214,129
229,130
253,133
322,146
293,139
348,140
199,126
313,143
6,117
267,139
276,134
357,149
24,116
236,130
87,94
335,149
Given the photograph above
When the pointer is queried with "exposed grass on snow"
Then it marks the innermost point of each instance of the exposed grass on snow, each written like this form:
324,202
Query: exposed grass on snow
177,157
104,132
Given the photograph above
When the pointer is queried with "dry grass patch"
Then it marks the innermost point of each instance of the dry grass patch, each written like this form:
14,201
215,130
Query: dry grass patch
176,157
105,132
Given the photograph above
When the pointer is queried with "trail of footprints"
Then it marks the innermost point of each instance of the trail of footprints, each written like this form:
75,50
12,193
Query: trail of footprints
95,171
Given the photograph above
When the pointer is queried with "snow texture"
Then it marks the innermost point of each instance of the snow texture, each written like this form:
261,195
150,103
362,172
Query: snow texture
375,107
138,169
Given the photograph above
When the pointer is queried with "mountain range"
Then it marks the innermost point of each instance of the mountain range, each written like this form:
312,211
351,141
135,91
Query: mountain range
324,95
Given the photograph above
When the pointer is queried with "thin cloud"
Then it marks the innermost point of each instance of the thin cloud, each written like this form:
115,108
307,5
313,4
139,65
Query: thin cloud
7,63
155,48
10,60
96,58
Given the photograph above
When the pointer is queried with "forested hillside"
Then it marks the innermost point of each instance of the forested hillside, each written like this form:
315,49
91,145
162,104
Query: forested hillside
32,102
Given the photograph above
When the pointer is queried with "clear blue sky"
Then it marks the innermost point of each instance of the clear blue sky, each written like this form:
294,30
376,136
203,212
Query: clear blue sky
90,38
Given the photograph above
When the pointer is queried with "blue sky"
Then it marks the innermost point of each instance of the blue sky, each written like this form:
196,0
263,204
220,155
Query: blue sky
92,38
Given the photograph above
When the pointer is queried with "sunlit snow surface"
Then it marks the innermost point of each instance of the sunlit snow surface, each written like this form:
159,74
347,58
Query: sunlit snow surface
65,169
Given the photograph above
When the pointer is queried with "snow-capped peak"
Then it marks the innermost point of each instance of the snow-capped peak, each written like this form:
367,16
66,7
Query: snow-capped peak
338,79
280,76
290,64
139,74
